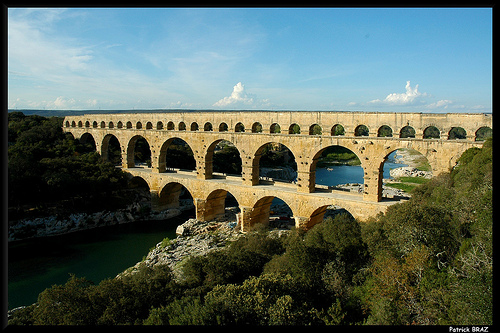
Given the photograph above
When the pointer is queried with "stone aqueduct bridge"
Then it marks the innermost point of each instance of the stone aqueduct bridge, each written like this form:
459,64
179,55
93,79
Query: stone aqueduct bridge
203,130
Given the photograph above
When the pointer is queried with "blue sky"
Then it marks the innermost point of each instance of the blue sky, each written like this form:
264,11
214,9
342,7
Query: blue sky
379,59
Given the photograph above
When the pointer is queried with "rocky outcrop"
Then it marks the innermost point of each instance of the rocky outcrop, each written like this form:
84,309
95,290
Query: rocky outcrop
194,238
409,172
54,225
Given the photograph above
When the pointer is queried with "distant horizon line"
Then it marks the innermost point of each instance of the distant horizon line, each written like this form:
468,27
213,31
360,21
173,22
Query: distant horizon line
216,110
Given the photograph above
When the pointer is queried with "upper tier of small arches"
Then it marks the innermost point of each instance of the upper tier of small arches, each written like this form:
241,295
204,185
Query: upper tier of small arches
429,132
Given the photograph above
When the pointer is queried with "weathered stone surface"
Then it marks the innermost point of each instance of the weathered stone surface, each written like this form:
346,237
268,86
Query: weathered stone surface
252,193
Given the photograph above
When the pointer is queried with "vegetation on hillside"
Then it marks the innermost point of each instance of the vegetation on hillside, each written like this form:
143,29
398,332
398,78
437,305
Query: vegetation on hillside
49,171
425,261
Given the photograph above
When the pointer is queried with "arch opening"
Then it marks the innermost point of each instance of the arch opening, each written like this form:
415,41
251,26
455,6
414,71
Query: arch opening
324,212
337,168
384,131
275,128
483,133
208,127
337,130
138,153
294,129
223,127
402,170
315,129
457,133
88,143
275,162
239,128
361,130
111,150
432,132
407,132
142,193
173,195
182,126
272,212
257,127
176,153
221,206
223,157
194,126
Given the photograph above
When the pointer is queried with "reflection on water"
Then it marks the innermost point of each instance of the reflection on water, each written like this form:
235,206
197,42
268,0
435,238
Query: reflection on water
97,254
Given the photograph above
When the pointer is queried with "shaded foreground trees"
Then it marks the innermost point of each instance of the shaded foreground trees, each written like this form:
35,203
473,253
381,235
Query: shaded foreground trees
49,168
425,261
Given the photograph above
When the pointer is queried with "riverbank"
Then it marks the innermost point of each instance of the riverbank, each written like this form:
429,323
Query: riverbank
55,225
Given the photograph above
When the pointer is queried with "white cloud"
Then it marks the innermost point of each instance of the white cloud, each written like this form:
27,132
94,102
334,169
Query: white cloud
411,96
444,103
238,96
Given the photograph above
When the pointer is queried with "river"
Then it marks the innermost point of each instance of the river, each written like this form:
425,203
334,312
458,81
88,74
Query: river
97,254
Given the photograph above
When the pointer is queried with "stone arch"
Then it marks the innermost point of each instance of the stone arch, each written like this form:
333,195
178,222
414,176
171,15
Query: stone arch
422,163
103,124
261,211
111,149
483,133
257,127
94,124
182,126
138,182
431,132
315,129
337,129
111,125
129,124
88,140
294,129
73,124
275,128
208,127
319,215
138,125
141,185
384,131
223,127
215,205
268,150
194,126
142,155
66,124
149,125
170,126
330,157
239,127
159,125
361,130
87,124
407,132
80,124
457,133
119,124
181,155
170,196
209,159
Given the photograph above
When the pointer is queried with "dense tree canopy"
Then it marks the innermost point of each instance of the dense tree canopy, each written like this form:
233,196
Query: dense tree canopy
46,166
